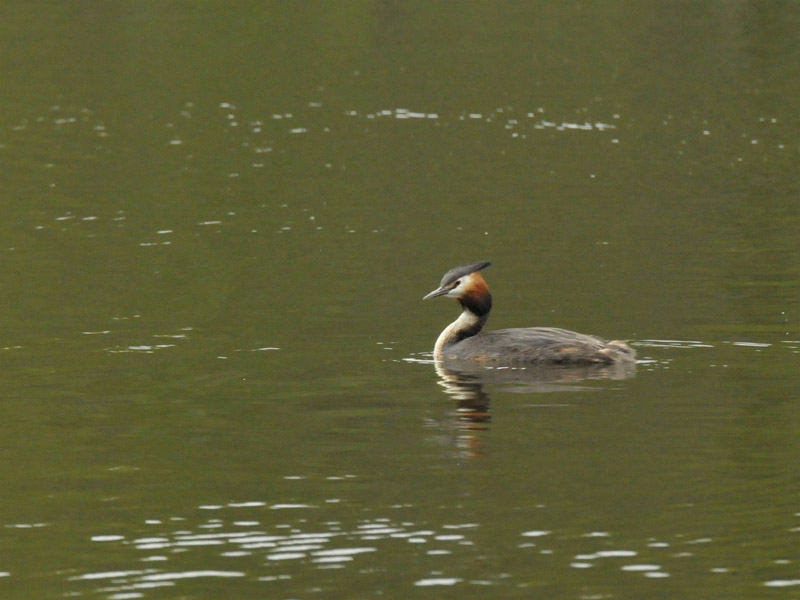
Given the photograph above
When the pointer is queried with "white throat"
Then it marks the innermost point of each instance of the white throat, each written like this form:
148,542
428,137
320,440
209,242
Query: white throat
465,320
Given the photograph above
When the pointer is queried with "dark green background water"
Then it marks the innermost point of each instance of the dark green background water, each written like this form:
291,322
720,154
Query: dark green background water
218,221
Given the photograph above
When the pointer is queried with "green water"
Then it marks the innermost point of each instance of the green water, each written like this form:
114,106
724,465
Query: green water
218,225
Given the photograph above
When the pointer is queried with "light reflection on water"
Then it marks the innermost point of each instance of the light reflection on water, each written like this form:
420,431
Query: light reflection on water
299,546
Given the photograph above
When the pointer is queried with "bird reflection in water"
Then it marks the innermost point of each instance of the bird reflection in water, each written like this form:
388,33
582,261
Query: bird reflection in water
467,384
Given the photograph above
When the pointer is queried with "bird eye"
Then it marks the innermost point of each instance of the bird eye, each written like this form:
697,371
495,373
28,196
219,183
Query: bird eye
457,283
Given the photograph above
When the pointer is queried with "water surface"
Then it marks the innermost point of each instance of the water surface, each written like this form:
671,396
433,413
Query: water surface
218,226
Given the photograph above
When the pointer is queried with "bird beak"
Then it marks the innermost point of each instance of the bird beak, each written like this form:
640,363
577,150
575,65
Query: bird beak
437,292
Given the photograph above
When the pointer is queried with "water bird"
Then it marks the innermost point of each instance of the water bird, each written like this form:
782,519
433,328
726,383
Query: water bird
463,340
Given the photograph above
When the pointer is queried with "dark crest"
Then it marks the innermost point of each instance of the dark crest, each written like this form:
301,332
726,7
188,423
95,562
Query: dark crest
457,272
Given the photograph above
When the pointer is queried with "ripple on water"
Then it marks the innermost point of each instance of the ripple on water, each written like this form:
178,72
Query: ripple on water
437,581
331,546
253,542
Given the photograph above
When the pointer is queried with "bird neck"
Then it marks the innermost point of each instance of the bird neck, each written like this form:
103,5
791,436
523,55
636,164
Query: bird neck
466,325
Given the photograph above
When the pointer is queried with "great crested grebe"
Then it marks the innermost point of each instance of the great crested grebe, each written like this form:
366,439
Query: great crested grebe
460,341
